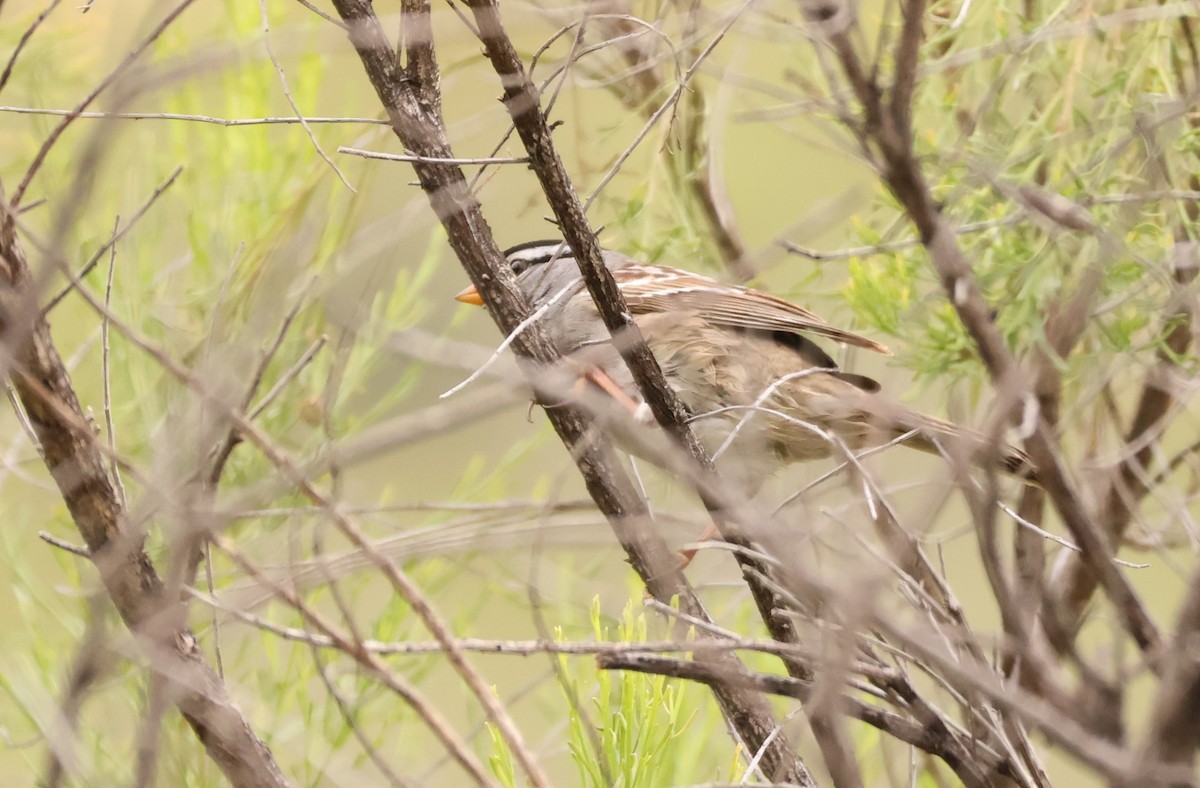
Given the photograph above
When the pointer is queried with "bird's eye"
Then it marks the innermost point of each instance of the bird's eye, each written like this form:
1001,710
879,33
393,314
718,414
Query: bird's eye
525,256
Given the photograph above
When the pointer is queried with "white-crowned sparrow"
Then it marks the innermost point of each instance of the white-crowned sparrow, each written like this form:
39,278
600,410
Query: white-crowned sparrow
741,361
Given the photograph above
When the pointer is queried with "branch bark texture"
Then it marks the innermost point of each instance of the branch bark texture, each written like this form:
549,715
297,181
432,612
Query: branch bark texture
524,106
885,132
70,451
410,101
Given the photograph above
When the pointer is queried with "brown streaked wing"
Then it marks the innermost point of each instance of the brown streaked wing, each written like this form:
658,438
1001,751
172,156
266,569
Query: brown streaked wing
653,288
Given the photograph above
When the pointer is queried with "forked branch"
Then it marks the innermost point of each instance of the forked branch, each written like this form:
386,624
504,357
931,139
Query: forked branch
419,126
70,451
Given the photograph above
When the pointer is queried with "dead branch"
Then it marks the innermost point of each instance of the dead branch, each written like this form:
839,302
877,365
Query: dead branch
76,463
523,103
1129,483
886,129
130,58
417,123
28,34
1174,730
920,736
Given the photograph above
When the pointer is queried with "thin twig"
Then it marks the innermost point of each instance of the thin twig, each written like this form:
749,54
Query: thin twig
175,116
370,154
287,93
896,246
288,376
350,718
116,237
105,371
28,34
331,20
130,57
437,724
63,544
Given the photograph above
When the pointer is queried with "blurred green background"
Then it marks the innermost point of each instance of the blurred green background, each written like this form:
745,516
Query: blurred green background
258,225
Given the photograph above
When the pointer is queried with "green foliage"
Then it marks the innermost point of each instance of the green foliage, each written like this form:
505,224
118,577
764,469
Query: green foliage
650,730
641,719
1081,142
880,290
501,759
259,227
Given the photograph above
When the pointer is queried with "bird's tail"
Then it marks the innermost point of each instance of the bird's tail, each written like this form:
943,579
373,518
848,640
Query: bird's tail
950,440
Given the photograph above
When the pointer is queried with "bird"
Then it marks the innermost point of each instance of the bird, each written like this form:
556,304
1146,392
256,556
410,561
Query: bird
761,393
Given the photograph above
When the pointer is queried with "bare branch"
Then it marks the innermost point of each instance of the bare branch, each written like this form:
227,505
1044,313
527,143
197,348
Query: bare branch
116,237
486,160
287,93
352,647
422,134
1173,733
133,54
175,116
28,34
908,732
73,459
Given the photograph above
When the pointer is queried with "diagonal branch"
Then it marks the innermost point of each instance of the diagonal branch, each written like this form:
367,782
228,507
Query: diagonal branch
28,34
1173,733
523,103
74,460
902,173
422,133
39,158
1131,482
923,737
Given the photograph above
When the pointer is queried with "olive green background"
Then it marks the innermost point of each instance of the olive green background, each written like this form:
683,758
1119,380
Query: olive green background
257,221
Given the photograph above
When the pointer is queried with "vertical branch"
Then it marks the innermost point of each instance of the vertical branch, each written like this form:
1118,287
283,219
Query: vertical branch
695,165
701,171
892,141
420,61
523,103
908,51
1129,483
423,134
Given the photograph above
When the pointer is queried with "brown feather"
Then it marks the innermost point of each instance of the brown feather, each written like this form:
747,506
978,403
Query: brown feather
647,289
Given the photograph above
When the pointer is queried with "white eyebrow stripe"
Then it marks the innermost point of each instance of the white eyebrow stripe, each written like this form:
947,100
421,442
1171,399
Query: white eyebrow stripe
535,255
530,255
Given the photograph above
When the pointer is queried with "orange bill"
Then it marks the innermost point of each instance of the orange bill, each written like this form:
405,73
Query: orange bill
470,296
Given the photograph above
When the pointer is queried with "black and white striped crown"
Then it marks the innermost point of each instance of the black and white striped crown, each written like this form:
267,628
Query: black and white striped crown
522,256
